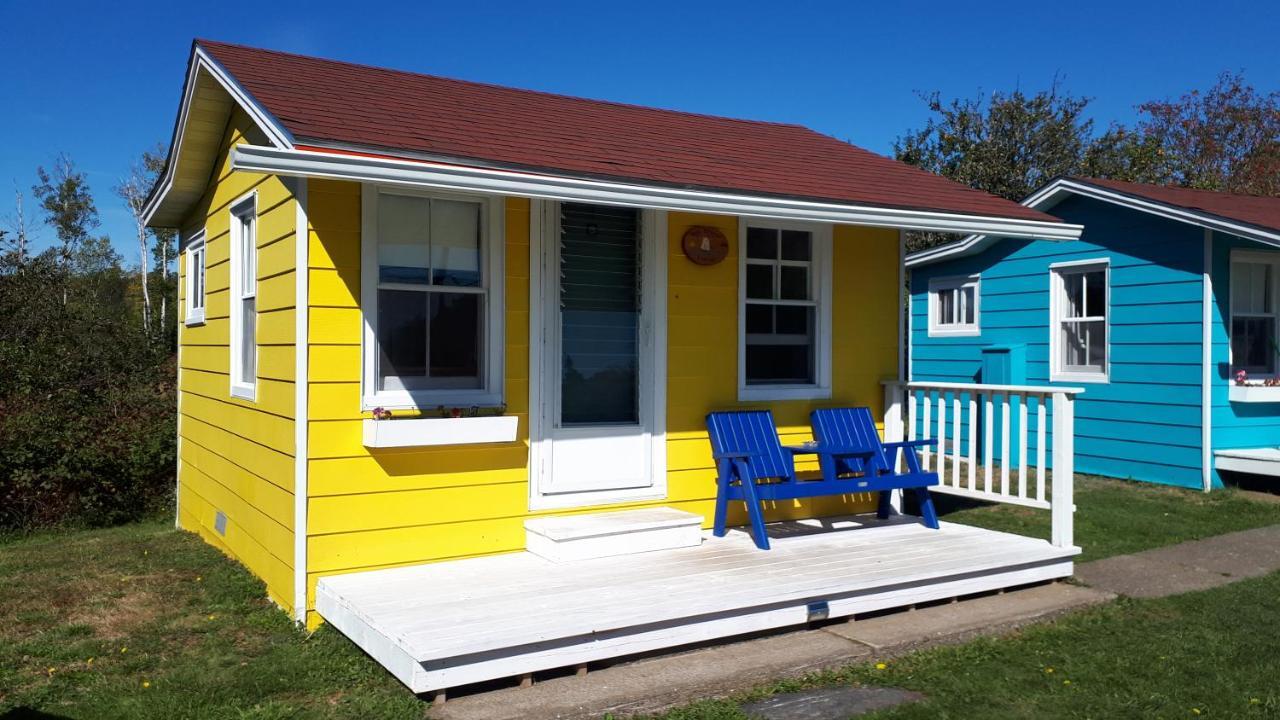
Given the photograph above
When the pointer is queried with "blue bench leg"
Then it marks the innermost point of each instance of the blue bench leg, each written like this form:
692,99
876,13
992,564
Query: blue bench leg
756,513
926,507
885,506
722,503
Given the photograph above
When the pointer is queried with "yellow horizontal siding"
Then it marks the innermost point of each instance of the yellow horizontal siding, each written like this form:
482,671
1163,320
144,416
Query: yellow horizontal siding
392,507
236,455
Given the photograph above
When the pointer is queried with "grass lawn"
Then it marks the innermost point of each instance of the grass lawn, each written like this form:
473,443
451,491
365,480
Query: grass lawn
1211,654
143,621
146,622
1116,517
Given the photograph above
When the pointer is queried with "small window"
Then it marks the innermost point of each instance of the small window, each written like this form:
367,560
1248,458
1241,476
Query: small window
785,312
195,281
953,306
244,297
1079,336
1253,313
434,310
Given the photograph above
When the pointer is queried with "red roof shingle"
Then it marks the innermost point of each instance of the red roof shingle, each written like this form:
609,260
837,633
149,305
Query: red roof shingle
327,102
1261,211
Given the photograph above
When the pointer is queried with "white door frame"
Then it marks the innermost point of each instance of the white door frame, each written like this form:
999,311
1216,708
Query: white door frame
542,227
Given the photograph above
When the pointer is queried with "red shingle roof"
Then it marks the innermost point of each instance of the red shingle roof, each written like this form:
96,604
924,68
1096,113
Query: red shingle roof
327,102
1264,212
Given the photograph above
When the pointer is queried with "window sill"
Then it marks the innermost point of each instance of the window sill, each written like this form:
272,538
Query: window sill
428,400
766,393
194,319
425,432
1077,377
244,391
955,332
1254,394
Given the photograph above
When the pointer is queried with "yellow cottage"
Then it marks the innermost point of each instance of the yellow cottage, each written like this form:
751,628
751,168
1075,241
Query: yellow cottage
447,349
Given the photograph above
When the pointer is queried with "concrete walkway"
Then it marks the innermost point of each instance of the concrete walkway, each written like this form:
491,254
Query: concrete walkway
1188,566
654,684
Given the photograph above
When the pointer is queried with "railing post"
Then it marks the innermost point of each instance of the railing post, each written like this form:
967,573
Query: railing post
894,429
1061,499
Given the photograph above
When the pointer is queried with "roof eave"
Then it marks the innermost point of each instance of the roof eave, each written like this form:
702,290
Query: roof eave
162,207
1053,193
491,180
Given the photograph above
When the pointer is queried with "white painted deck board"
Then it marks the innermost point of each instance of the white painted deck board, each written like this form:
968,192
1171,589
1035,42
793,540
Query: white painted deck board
443,610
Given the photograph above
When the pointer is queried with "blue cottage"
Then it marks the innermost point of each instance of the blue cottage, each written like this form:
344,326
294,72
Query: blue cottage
1166,311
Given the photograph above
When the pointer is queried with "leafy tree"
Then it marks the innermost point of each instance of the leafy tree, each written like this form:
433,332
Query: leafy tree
1226,138
68,205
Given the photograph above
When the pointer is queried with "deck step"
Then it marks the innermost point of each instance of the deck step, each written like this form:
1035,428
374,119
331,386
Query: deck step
1256,461
564,538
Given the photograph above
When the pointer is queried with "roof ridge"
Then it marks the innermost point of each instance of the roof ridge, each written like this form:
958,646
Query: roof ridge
496,86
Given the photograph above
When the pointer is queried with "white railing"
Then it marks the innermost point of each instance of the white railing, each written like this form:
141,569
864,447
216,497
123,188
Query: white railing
963,417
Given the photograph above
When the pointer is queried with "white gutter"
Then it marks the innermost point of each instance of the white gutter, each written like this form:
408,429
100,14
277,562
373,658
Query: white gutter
307,163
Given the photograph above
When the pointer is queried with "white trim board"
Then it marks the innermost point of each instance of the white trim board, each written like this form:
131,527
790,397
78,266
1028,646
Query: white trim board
1054,192
284,161
1206,359
301,388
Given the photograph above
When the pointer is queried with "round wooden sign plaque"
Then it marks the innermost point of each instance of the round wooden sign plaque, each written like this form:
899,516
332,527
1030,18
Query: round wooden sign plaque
704,245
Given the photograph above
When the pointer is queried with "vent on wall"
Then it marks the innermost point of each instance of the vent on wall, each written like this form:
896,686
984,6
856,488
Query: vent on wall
220,522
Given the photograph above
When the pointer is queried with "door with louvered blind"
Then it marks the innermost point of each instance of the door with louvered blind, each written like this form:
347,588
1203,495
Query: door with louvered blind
597,363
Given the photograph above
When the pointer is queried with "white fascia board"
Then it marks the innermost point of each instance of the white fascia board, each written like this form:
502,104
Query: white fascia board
411,173
1053,193
201,61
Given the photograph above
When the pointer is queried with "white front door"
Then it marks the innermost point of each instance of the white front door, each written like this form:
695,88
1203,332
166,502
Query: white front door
596,375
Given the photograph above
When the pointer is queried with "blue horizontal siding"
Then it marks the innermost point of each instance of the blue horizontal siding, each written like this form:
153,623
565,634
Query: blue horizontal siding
1144,423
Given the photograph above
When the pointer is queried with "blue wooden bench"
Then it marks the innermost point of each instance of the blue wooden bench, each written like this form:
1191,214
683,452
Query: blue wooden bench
753,466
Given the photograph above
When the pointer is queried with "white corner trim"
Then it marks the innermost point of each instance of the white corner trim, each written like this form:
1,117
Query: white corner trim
201,61
284,161
1052,193
301,391
1206,359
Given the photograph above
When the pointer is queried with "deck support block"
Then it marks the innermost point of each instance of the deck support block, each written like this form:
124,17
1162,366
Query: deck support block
581,670
526,680
438,697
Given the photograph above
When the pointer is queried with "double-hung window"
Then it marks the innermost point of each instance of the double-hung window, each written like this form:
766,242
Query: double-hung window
953,306
1078,337
1253,312
195,281
244,297
784,342
433,300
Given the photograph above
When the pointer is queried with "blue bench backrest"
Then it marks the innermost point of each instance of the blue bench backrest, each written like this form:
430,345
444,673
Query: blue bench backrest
751,431
851,428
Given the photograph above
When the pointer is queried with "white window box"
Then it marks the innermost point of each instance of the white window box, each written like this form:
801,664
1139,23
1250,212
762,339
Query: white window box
422,432
1254,394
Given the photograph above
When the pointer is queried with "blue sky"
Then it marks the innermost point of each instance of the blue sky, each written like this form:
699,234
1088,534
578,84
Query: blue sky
101,80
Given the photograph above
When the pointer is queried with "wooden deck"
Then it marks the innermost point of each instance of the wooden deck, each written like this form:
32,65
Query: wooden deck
453,623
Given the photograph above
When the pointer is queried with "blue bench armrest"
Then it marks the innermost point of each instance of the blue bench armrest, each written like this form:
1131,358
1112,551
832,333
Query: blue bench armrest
911,443
736,454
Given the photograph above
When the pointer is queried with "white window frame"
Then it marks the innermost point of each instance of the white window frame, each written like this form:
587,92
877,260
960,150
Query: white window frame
820,278
242,387
937,286
195,284
493,352
1256,257
1056,303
